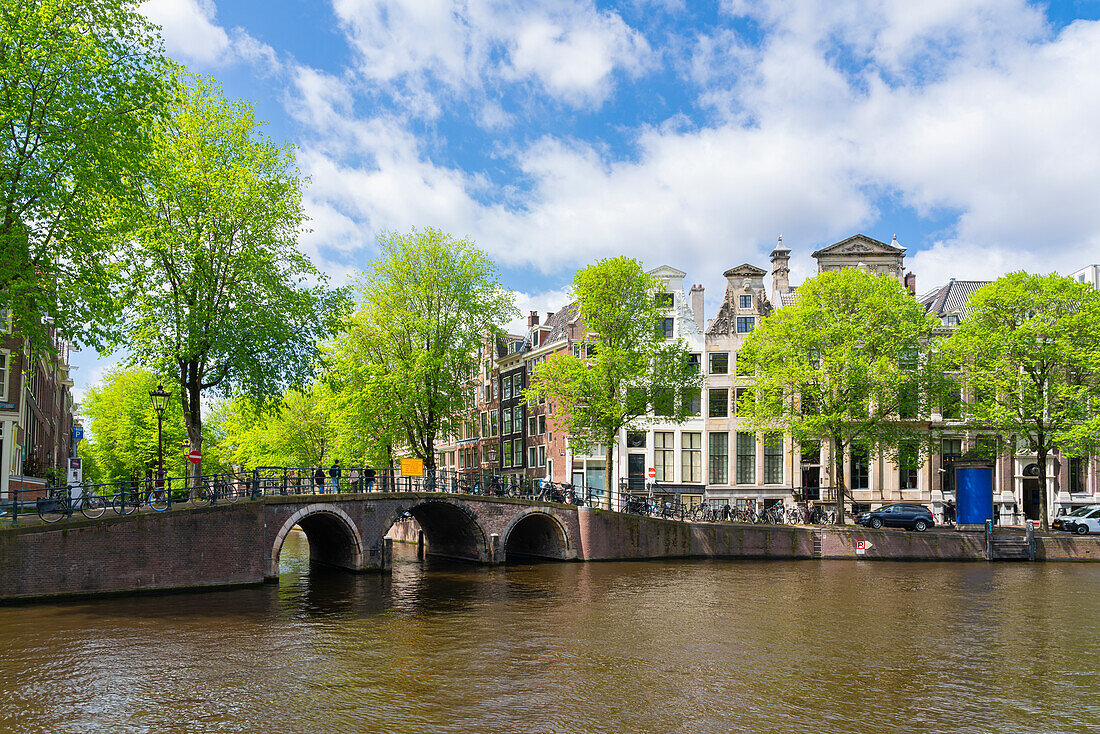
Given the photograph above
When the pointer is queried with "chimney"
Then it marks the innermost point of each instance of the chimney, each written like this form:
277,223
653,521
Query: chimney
695,298
911,283
533,319
549,316
781,257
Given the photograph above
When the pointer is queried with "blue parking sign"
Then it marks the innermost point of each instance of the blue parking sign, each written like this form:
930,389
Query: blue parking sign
78,433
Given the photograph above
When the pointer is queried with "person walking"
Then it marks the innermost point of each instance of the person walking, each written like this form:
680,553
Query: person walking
369,474
353,477
319,479
334,473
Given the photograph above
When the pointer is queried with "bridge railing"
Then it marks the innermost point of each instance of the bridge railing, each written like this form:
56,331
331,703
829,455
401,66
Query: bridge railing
127,496
122,497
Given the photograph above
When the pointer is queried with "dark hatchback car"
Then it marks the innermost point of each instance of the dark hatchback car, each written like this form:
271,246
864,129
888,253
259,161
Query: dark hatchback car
902,515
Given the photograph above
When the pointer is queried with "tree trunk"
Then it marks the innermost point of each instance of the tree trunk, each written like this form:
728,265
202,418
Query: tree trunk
608,473
191,396
838,474
1041,460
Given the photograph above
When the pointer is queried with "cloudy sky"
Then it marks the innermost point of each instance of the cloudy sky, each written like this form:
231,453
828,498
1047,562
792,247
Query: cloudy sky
685,132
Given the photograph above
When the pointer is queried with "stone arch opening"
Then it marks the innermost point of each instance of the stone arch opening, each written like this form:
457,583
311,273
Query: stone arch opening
333,539
445,529
536,535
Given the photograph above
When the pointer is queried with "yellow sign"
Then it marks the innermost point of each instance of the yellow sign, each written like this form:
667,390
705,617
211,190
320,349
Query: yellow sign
412,467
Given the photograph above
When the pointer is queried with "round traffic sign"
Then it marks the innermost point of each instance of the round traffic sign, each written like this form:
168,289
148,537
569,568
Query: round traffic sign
195,456
652,473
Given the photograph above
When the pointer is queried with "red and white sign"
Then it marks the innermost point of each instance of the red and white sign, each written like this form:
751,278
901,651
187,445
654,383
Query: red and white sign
195,456
652,473
862,546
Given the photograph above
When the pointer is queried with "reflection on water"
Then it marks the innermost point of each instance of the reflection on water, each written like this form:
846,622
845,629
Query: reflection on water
830,646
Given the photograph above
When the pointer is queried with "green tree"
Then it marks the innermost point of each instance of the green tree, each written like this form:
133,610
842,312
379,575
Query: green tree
295,433
1029,351
630,366
425,306
224,302
82,83
122,430
843,364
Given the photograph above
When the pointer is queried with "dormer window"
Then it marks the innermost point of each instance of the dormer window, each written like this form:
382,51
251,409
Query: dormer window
744,301
666,327
951,320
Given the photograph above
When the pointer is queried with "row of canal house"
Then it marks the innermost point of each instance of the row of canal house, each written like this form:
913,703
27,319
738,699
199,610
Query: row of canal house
713,454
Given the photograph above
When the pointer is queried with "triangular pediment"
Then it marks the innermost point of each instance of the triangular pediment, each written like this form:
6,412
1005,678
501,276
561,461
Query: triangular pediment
745,270
860,244
667,271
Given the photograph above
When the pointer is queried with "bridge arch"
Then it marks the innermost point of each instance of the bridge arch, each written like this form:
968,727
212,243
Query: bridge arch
535,533
334,540
450,528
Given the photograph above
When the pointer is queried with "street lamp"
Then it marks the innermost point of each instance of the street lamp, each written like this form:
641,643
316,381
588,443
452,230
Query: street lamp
160,398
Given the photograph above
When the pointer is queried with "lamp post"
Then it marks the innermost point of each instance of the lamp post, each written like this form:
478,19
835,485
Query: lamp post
160,399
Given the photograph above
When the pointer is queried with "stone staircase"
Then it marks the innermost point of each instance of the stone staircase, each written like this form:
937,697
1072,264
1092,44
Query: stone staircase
1011,547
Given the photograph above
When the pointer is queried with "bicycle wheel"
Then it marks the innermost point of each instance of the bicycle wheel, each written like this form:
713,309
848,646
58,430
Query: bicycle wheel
92,506
158,500
231,493
203,493
51,509
124,503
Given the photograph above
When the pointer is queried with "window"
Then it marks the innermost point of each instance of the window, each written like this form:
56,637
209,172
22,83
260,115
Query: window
507,415
517,419
506,454
663,300
541,456
635,400
506,390
907,466
719,458
745,324
859,468
517,454
719,363
664,456
635,439
908,402
746,458
691,457
3,376
693,360
744,367
951,320
953,402
493,422
718,402
744,301
1076,475
663,401
773,458
542,425
742,401
517,384
494,389
533,455
809,405
665,327
693,402
533,426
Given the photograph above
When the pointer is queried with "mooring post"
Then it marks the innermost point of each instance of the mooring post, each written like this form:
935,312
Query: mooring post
494,548
420,544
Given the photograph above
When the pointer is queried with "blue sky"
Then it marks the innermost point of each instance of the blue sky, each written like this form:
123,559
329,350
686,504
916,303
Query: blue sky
686,133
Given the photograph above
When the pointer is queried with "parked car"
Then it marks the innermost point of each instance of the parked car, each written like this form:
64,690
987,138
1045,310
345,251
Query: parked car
1082,520
901,515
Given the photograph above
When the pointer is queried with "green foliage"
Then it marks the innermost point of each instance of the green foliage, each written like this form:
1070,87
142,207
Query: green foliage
82,83
122,433
224,302
841,364
425,306
632,366
1029,352
296,433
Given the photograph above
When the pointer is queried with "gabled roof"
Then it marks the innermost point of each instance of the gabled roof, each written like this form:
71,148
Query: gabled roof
667,271
745,269
951,297
559,322
860,244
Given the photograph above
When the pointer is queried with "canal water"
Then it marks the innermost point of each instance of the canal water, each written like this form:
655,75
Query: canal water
715,646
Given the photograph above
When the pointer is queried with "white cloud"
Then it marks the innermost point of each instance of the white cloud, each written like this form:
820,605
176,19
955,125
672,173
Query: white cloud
825,117
190,32
567,47
543,304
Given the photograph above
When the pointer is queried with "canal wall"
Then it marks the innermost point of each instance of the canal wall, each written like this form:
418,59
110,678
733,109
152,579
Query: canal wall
186,548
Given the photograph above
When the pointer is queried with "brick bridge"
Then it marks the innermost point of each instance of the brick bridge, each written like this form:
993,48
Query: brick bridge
192,547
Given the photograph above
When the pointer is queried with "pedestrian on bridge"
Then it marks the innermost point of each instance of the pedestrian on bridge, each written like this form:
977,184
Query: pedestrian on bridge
319,479
369,475
334,473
